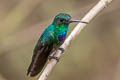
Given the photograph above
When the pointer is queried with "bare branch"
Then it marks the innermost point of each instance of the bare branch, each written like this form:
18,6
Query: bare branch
90,15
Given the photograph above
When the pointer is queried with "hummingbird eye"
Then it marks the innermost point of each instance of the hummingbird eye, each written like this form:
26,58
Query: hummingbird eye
61,20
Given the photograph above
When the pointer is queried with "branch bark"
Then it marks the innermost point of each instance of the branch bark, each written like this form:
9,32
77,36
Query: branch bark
88,17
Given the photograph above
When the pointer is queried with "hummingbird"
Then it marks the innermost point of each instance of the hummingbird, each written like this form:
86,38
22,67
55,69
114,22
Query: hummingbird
53,36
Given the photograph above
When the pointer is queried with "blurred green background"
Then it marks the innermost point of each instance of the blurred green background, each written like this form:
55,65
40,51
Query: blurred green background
93,55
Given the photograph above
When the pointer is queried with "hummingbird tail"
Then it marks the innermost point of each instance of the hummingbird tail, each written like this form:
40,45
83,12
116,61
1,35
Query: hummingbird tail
38,60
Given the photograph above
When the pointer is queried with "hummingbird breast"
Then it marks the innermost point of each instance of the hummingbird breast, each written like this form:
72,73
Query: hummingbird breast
62,36
60,32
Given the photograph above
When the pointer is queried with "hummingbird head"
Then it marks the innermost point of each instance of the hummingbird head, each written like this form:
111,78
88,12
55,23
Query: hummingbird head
63,18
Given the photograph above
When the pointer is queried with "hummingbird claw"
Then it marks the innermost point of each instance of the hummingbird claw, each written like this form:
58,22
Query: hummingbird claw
53,57
61,49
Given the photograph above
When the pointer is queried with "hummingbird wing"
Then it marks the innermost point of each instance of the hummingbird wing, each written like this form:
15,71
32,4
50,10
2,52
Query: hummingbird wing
41,52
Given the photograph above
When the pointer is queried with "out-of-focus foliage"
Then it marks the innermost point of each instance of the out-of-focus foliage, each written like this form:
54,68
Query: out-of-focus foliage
94,55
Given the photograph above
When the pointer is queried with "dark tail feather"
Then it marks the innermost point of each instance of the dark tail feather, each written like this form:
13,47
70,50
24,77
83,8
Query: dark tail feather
38,61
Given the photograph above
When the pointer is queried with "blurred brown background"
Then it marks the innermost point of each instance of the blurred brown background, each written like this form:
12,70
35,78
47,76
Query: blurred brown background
94,55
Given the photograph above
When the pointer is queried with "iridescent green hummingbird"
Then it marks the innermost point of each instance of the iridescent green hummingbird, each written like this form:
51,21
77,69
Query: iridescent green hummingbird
53,36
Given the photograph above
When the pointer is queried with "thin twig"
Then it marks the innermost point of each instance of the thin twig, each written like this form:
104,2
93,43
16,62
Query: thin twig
90,15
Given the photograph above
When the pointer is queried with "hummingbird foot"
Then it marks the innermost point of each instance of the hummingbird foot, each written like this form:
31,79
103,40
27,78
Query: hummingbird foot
53,57
61,49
